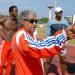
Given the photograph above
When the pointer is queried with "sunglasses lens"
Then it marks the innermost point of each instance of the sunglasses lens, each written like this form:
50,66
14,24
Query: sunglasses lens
32,21
36,21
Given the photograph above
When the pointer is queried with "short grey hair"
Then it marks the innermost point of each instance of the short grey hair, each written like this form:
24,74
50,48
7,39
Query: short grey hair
23,15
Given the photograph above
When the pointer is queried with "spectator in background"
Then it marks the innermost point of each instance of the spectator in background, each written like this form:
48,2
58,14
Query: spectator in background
9,27
54,25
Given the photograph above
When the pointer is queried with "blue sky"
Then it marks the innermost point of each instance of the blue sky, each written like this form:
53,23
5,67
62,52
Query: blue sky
40,6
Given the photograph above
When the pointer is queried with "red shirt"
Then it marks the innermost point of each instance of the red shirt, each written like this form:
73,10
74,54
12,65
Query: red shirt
27,52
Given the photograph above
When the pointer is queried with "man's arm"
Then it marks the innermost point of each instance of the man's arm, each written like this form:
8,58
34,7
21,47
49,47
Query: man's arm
67,24
2,19
1,32
48,47
70,31
48,29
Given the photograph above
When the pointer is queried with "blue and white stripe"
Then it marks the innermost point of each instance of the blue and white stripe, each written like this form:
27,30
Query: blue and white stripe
47,43
61,37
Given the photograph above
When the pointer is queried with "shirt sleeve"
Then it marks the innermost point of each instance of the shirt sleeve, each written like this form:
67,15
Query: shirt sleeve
48,29
45,48
67,24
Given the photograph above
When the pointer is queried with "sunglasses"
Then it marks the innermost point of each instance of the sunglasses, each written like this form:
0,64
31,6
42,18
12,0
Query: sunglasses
31,20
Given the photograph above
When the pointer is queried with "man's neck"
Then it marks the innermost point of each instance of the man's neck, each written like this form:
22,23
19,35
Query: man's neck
31,33
13,18
58,18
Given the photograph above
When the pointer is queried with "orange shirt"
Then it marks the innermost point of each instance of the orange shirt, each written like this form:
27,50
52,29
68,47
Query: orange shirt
27,51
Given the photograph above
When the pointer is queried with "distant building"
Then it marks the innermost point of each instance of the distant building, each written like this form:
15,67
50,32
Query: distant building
69,19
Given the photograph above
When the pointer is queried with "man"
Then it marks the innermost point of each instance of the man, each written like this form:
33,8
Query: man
54,25
9,27
27,51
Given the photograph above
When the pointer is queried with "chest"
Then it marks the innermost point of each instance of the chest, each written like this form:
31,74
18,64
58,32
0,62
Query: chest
57,27
10,25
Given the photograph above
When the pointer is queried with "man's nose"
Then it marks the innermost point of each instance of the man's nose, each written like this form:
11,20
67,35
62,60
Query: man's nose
34,23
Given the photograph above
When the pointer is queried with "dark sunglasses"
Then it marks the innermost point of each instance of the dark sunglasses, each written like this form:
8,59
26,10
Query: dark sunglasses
31,20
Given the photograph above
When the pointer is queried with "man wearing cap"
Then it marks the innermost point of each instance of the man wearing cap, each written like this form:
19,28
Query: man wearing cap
54,25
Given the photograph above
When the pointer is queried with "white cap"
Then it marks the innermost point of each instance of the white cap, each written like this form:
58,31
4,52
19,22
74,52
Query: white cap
58,9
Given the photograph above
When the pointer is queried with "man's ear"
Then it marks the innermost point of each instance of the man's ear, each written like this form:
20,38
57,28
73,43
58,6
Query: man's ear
10,12
55,12
23,22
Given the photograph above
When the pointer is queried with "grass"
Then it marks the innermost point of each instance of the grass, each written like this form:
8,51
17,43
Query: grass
41,31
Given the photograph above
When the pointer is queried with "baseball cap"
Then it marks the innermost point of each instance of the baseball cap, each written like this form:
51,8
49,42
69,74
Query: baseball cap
58,9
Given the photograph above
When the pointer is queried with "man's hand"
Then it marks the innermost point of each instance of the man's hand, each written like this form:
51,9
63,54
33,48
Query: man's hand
70,32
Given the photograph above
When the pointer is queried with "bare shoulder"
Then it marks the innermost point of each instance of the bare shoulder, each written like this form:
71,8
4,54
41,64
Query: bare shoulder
3,19
7,17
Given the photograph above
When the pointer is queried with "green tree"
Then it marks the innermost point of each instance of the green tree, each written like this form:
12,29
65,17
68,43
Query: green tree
44,20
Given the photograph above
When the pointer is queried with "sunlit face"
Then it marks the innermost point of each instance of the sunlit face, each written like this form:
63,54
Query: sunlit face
15,12
30,23
59,14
